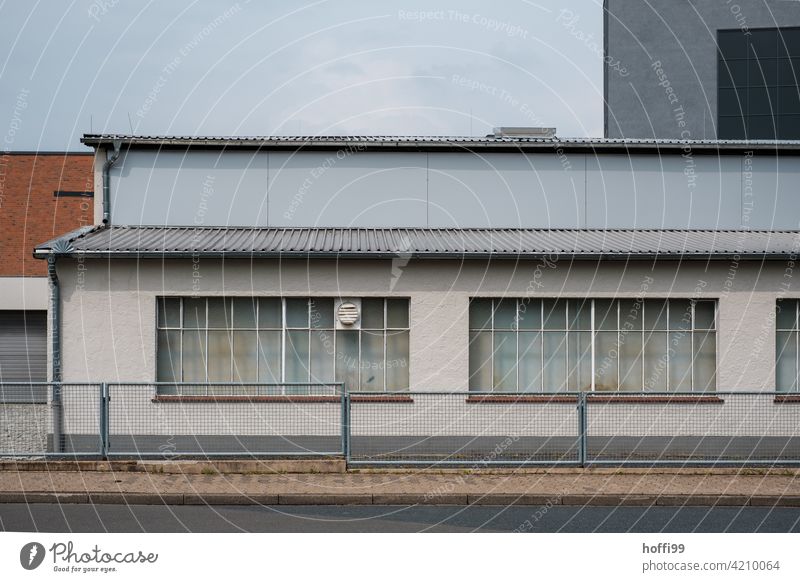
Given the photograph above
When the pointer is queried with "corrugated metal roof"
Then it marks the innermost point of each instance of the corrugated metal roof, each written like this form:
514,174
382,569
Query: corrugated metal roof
427,141
153,241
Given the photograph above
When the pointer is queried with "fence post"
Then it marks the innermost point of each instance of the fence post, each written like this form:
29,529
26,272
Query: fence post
582,429
346,425
104,420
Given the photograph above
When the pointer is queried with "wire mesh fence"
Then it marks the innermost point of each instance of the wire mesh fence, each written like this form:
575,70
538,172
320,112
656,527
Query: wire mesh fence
406,428
42,419
723,427
167,420
438,428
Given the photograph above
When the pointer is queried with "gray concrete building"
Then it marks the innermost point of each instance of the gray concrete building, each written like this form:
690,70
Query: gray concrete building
701,69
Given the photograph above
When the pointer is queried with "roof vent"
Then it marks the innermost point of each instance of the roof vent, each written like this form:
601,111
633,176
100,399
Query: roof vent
347,313
542,132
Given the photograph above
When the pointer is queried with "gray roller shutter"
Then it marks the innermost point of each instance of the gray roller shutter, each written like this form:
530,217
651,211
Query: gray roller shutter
23,355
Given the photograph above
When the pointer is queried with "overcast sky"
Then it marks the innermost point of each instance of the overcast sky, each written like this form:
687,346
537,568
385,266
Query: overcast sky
282,67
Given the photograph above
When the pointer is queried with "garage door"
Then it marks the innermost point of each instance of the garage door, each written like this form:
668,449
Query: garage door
23,355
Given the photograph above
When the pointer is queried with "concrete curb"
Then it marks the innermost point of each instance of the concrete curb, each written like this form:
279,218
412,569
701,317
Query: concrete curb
505,499
178,467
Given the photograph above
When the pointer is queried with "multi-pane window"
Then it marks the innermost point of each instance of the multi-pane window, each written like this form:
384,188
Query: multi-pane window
786,345
758,94
550,345
282,340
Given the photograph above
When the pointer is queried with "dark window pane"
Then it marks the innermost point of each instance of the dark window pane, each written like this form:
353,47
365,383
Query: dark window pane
397,313
605,314
731,128
505,313
244,312
555,313
630,314
655,314
680,314
732,44
732,73
761,127
762,101
297,312
219,313
788,100
788,72
763,43
169,312
762,72
580,314
322,313
786,314
372,313
732,102
480,314
789,41
505,361
269,313
194,313
530,314
789,127
704,315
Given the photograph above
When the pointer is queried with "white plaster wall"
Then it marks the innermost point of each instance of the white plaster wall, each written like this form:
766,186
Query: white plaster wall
108,313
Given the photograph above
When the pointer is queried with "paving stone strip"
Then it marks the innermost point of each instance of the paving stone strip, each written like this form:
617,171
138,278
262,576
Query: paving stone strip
587,488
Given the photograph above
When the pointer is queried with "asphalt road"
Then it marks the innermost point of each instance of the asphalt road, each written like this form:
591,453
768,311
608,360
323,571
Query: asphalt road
226,518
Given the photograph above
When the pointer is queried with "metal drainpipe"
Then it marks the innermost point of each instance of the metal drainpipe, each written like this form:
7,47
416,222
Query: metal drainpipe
55,324
106,182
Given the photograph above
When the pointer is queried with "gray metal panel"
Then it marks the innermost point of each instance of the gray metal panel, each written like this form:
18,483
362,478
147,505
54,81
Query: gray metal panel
645,191
348,189
303,242
506,190
23,354
178,188
773,199
681,36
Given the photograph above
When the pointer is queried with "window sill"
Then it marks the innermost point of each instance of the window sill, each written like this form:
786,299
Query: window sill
378,399
222,398
661,399
787,399
522,398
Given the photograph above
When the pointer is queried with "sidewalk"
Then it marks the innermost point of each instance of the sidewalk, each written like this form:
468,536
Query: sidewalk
640,487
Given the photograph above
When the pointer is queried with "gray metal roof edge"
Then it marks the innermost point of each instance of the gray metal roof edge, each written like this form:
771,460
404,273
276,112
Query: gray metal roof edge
437,255
361,143
482,229
42,250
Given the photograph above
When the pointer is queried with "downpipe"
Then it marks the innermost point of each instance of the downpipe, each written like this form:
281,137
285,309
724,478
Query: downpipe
107,182
55,338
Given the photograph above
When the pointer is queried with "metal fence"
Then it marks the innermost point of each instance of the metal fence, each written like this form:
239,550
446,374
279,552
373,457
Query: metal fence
166,420
405,428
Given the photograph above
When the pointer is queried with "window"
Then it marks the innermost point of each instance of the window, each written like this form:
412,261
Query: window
282,340
551,345
758,94
786,345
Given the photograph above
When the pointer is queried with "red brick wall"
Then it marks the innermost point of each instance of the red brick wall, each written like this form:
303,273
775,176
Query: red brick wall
30,214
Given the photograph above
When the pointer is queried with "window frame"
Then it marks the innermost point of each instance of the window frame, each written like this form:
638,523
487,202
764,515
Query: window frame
567,329
795,331
285,328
